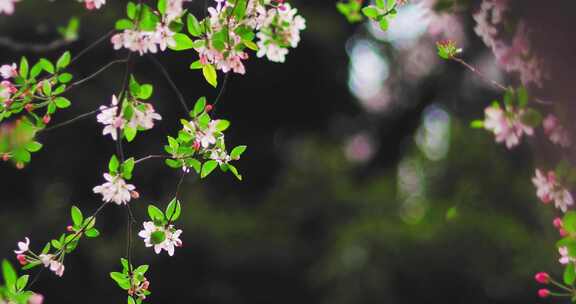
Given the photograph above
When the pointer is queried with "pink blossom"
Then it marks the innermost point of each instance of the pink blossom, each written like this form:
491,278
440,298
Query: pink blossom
506,125
548,189
9,71
556,132
7,6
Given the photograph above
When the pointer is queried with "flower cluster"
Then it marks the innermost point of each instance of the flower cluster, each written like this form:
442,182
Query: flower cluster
63,245
93,4
515,54
132,280
131,116
7,6
506,124
159,232
556,132
115,189
202,139
548,189
279,30
148,30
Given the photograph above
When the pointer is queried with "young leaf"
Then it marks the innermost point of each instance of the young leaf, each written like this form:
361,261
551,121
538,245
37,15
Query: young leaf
9,273
63,61
77,217
209,73
62,102
173,210
156,215
208,167
113,164
199,106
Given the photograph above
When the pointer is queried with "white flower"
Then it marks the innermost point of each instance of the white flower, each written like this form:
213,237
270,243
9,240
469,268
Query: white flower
144,119
220,156
7,6
565,257
57,267
280,28
108,116
115,189
23,246
548,189
556,132
49,262
161,237
8,71
506,125
208,137
93,4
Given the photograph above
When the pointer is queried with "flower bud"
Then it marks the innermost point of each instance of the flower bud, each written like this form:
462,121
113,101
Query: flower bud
542,278
543,293
22,259
209,108
145,285
69,228
563,232
5,157
46,119
196,145
557,223
20,165
29,107
134,194
36,299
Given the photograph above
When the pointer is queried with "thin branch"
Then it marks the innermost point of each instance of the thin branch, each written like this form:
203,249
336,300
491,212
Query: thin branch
65,123
221,92
98,72
93,45
493,82
150,157
171,82
16,46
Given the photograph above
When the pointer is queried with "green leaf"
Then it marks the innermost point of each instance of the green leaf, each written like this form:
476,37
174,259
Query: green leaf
24,66
62,102
113,164
208,167
196,65
199,106
569,222
371,12
77,217
63,61
9,273
33,146
531,117
522,95
237,152
183,42
131,300
383,24
65,77
92,233
569,274
193,25
477,124
209,73
22,282
131,10
130,133
141,269
156,215
162,5
121,279
173,210
123,24
127,168
47,65
146,91
222,125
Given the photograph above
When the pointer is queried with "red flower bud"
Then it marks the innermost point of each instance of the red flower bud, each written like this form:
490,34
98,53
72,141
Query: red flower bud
563,232
196,145
20,165
22,259
134,194
69,228
209,108
542,278
5,157
557,223
543,293
29,107
46,119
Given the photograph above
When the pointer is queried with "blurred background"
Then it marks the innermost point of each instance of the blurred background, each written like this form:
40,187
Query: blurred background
363,182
